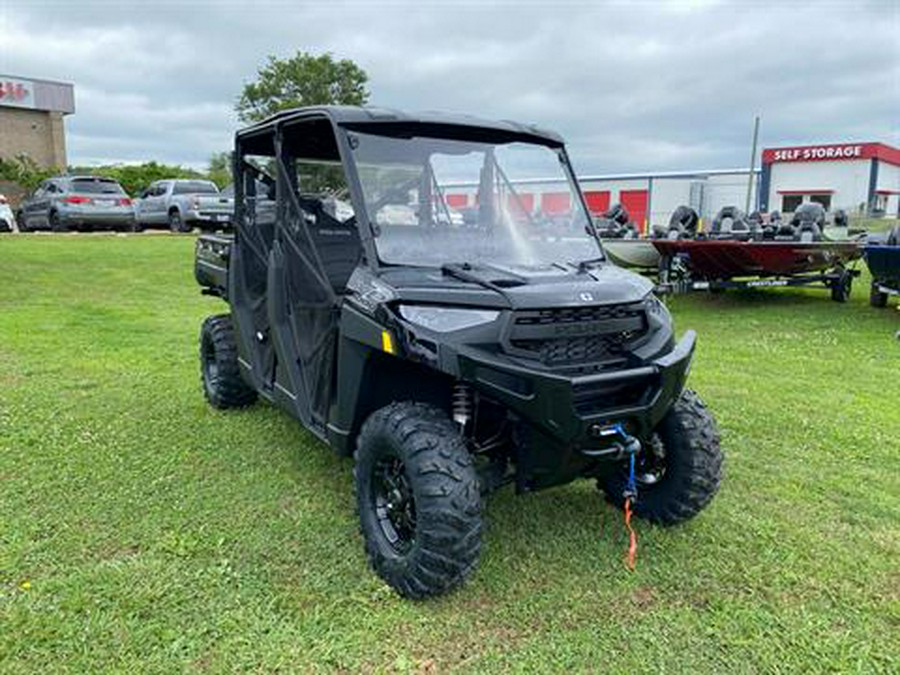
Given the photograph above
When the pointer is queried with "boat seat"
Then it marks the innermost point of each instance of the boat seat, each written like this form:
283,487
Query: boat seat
731,223
809,231
809,217
686,221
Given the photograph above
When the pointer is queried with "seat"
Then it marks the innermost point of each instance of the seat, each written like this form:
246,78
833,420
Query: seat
731,223
808,222
685,220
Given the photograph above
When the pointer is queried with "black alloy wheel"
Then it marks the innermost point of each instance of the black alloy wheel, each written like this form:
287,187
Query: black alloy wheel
418,497
395,505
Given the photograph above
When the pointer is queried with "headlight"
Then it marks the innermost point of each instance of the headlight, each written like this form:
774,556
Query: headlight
654,305
657,312
444,319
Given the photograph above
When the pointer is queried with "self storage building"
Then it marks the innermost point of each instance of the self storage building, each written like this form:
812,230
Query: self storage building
861,178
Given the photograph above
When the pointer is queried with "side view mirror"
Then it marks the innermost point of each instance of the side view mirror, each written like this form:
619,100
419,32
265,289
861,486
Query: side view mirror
144,193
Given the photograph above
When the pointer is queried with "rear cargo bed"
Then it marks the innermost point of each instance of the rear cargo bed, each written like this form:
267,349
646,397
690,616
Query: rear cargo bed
211,263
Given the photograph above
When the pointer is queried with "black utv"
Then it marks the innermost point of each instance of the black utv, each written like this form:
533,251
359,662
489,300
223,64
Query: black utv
448,355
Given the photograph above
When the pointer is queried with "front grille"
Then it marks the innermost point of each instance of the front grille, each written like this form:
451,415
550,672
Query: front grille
577,315
577,335
574,350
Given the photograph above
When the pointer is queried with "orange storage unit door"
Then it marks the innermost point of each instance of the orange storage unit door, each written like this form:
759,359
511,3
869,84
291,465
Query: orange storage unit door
553,203
457,201
635,202
521,204
597,201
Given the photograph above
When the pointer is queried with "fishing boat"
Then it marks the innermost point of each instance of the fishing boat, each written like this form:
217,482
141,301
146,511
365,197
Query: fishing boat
738,253
883,259
638,254
624,245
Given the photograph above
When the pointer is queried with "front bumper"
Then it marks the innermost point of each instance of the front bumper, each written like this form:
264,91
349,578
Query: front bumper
566,414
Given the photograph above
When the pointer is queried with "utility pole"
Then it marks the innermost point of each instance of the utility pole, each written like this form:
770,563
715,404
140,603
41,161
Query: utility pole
752,164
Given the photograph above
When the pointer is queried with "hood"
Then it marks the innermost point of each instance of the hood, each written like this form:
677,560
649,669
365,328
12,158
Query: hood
519,286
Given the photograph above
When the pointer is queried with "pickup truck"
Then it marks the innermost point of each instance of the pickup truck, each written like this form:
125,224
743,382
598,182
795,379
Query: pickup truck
182,204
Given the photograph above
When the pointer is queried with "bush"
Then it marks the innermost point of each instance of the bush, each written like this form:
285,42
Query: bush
132,177
135,177
24,171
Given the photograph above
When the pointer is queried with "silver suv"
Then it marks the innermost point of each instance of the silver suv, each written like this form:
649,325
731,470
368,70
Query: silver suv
76,202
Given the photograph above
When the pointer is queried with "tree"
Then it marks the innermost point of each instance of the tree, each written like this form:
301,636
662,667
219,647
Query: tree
219,170
302,80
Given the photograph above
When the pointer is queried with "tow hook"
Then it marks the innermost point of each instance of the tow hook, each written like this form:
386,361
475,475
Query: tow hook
623,444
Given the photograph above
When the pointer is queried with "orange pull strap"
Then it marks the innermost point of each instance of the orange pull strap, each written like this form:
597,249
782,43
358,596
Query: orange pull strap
632,537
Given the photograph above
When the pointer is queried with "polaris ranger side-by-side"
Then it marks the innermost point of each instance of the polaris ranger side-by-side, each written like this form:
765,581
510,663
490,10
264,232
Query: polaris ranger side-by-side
392,286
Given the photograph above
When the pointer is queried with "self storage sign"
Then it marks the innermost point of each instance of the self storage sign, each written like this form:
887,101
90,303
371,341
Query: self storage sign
817,153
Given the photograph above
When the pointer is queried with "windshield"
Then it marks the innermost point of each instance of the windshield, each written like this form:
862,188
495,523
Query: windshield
96,186
194,187
436,201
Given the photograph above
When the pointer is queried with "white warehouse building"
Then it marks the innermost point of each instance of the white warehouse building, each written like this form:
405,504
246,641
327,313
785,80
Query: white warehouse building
860,178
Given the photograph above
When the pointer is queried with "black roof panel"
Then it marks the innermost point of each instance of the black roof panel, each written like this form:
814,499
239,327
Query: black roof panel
437,122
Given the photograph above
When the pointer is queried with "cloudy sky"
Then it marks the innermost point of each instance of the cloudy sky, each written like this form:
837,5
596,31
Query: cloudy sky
633,86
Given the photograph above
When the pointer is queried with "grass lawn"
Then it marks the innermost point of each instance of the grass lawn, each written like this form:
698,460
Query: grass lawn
140,530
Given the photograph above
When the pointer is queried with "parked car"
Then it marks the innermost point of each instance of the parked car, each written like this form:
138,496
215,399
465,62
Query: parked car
6,215
76,202
182,204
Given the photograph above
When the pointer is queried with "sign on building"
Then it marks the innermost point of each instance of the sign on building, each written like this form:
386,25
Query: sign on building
16,93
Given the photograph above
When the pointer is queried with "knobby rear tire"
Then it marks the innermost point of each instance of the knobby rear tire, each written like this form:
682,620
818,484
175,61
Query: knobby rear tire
223,385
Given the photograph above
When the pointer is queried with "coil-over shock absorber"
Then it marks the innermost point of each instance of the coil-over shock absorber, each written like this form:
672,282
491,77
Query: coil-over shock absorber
462,404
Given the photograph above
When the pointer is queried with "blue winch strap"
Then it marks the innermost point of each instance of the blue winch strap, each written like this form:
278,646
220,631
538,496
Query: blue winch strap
629,496
631,486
